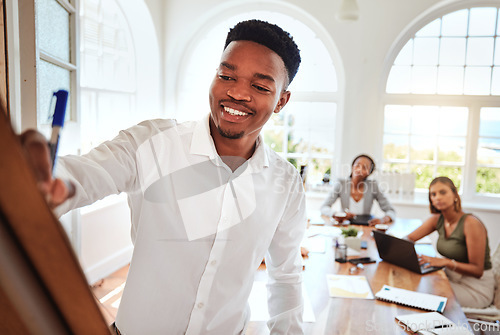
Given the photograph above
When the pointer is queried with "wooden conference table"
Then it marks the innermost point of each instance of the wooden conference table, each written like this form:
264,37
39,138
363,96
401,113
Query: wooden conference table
361,316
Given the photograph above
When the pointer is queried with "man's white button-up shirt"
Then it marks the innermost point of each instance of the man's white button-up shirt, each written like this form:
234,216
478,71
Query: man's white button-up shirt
199,229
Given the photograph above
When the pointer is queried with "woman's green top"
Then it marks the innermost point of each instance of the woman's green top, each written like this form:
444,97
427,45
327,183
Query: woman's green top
454,246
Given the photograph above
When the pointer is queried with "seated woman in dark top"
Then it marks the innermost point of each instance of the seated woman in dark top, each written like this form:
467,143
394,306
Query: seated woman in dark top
357,193
463,241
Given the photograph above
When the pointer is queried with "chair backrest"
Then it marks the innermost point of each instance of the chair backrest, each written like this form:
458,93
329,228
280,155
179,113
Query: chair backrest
495,262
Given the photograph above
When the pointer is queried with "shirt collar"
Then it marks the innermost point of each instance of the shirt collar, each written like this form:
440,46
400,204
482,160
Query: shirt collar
202,143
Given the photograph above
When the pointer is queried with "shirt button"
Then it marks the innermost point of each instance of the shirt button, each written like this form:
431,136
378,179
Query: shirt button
213,262
200,305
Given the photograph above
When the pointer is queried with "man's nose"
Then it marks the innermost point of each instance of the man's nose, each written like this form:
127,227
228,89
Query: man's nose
240,91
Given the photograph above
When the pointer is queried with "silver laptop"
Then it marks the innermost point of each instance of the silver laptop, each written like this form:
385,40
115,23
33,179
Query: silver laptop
400,252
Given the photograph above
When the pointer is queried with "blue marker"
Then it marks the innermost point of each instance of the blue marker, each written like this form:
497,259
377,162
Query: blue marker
57,123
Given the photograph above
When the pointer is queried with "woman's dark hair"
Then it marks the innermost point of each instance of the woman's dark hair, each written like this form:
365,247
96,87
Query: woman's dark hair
365,156
447,181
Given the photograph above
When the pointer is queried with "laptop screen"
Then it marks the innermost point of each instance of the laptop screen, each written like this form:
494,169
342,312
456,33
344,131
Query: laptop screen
399,252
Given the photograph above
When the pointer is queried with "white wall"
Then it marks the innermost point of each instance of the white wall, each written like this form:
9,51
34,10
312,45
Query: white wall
105,237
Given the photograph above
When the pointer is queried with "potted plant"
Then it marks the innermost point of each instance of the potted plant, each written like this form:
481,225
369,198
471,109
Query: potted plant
351,238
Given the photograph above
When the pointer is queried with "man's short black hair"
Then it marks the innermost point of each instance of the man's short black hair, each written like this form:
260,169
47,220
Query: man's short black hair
270,36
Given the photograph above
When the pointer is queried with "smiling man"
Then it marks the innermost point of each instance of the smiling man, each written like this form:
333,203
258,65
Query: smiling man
209,200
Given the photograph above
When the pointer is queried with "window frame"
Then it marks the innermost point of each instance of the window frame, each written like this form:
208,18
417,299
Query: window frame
474,103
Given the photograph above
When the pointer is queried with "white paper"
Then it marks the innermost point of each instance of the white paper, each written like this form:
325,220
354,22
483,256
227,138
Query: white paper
343,286
315,244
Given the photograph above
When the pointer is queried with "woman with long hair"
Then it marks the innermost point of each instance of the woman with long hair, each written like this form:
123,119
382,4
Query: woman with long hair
463,243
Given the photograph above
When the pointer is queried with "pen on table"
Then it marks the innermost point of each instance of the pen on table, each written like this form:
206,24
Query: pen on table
57,123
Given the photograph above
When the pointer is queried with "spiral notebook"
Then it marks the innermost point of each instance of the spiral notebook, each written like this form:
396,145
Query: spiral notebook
428,302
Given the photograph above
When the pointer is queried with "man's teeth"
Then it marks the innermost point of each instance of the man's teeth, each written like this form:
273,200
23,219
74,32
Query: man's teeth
234,111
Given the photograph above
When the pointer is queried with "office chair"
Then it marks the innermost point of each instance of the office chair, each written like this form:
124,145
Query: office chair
489,317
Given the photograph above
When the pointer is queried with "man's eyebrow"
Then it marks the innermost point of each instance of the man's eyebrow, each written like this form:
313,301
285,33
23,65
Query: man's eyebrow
264,77
228,66
257,75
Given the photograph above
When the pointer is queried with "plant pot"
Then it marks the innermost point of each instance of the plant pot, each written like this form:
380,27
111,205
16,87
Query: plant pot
353,242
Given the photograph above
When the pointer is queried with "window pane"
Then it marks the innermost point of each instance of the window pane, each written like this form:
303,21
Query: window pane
118,113
496,61
455,24
107,55
424,175
277,119
396,147
426,51
316,170
477,80
480,51
488,151
453,121
490,122
397,119
322,141
51,78
424,79
316,72
482,21
53,29
405,56
420,120
495,81
298,141
422,148
450,80
488,180
274,138
395,167
311,127
399,79
451,149
431,29
452,51
498,26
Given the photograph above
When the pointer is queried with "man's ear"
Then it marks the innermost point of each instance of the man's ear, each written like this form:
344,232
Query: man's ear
284,98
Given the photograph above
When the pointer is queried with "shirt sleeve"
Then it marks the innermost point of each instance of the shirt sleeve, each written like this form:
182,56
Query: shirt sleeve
108,169
326,208
384,203
284,266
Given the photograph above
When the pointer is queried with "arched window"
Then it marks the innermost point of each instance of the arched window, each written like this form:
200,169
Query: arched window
120,68
304,132
108,83
442,112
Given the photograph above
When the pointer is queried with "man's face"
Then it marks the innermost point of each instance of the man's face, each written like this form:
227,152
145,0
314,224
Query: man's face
248,87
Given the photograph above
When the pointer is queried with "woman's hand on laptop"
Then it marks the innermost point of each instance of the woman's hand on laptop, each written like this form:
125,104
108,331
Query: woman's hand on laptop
432,261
